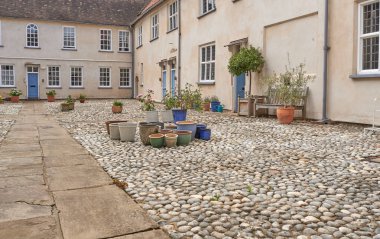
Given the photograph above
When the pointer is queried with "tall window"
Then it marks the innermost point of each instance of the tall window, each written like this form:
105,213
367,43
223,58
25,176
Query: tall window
76,79
124,41
53,76
140,36
173,16
155,25
207,63
105,40
125,77
207,6
69,38
369,36
7,76
32,35
105,77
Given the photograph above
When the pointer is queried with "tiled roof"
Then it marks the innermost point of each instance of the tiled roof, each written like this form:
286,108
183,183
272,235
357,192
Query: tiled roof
104,12
150,4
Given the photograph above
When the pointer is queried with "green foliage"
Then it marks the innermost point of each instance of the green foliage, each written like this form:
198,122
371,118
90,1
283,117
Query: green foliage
1,99
51,93
290,85
207,99
82,97
117,103
190,98
214,98
15,92
69,100
249,189
170,101
246,60
216,197
147,103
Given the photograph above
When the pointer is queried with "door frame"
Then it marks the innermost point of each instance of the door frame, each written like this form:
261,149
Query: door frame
27,80
236,98
164,83
172,80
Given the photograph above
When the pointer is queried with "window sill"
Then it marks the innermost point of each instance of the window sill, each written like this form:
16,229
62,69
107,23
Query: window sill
125,87
11,86
365,76
76,88
53,87
139,47
106,51
105,87
124,52
30,47
206,83
69,49
172,30
1,45
154,39
207,13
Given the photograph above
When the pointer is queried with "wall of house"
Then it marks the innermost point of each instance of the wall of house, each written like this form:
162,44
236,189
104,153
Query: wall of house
152,52
50,53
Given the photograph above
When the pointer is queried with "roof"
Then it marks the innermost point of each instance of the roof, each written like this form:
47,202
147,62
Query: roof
103,12
152,4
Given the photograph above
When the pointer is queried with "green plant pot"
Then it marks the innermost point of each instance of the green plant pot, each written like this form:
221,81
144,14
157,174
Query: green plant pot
157,140
184,137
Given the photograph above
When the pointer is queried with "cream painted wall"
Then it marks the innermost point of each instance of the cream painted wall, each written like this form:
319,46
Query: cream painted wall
50,53
154,51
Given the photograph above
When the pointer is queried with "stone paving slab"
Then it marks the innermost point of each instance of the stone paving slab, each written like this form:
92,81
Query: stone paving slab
36,194
22,161
21,170
67,149
73,160
100,213
20,141
23,135
154,234
11,148
36,228
21,181
74,177
21,210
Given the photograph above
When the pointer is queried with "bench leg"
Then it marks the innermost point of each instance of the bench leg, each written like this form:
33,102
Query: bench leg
303,114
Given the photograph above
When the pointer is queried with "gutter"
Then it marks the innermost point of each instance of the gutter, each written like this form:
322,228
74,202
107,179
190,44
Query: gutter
179,46
326,49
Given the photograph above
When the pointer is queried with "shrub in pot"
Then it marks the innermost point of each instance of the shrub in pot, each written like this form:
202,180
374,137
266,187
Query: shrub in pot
290,87
147,105
68,104
188,98
51,95
15,95
82,98
170,102
206,103
117,107
214,103
1,100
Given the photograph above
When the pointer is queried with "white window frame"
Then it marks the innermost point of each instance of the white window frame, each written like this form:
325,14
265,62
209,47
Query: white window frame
155,26
100,38
210,62
127,41
128,75
63,38
59,77
26,36
140,36
1,36
205,11
173,16
110,77
82,77
1,76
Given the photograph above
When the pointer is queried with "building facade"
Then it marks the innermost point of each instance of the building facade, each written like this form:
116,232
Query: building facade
211,31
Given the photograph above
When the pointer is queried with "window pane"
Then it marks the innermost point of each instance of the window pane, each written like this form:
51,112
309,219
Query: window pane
371,53
105,77
371,18
53,76
7,75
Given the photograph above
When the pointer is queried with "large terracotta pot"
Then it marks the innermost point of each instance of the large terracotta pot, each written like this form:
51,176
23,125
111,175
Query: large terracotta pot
117,109
285,115
50,98
15,99
206,106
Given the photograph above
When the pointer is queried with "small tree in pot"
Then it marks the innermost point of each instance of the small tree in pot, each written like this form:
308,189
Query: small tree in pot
51,95
290,87
248,60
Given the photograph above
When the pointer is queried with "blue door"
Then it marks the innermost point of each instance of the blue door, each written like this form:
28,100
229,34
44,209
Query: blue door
163,83
240,89
32,85
173,82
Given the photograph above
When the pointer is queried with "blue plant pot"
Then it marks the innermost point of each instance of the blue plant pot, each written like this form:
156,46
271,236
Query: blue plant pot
179,115
199,128
188,126
220,108
214,106
205,134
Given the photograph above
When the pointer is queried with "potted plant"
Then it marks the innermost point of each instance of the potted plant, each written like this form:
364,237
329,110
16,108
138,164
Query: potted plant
68,104
214,103
187,99
51,95
82,98
206,104
147,105
117,107
1,100
170,102
290,87
15,95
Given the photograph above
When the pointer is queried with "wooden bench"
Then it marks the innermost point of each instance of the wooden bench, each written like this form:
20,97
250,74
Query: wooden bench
272,101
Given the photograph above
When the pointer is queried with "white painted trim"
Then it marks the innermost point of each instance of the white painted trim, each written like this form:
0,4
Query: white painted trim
61,59
152,37
129,76
202,11
59,75
63,38
14,76
77,86
100,39
26,36
140,36
209,62
1,35
129,40
173,16
27,80
110,71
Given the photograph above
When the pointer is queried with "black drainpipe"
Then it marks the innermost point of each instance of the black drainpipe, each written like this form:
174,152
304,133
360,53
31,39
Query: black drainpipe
326,49
179,46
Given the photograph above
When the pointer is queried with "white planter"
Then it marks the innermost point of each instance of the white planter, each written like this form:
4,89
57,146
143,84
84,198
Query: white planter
167,116
152,116
114,131
127,132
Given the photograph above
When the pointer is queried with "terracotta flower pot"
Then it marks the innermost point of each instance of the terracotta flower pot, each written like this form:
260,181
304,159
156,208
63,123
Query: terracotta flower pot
285,115
50,98
15,99
206,106
117,109
82,100
171,140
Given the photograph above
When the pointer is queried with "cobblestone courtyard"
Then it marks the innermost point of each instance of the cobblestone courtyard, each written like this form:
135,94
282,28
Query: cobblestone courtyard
254,179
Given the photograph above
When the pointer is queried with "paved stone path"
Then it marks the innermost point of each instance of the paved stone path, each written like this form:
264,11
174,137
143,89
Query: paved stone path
50,187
